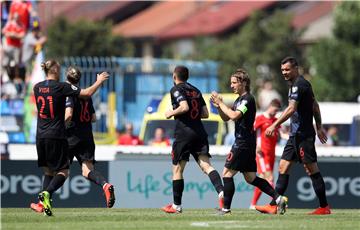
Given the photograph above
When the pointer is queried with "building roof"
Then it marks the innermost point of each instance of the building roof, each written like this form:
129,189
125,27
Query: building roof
306,13
315,18
158,18
215,19
75,10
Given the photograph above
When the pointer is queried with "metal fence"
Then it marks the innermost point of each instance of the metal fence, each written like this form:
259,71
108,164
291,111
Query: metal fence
135,81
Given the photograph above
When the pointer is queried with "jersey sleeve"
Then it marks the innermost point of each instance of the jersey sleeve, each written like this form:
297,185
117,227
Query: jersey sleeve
258,122
296,92
242,106
202,101
69,102
91,107
177,95
70,90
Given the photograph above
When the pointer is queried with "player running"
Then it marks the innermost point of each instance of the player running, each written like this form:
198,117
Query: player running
300,146
51,143
190,136
265,147
242,155
79,115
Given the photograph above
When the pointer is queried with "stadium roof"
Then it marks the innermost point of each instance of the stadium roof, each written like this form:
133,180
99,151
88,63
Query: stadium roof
215,19
158,18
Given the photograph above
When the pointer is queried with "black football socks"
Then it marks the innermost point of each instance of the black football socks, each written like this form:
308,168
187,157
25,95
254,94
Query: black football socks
265,187
46,182
97,178
178,188
56,183
319,187
216,181
281,186
229,190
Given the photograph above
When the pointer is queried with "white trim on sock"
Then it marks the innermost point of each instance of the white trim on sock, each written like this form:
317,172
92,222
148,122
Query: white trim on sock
221,194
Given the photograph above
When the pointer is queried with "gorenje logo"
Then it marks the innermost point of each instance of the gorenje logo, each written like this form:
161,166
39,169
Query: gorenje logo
32,184
341,186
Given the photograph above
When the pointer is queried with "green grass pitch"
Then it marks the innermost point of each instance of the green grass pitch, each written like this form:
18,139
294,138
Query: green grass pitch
97,218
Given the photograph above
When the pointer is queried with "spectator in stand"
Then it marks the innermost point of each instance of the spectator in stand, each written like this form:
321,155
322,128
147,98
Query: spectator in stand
32,44
284,134
266,95
159,138
5,10
14,32
4,143
24,10
8,89
128,138
332,136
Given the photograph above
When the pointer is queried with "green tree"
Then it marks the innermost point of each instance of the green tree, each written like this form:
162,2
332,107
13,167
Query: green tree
336,60
85,38
259,46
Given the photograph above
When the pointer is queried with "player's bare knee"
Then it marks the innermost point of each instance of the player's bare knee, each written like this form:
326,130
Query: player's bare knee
284,166
206,168
177,171
311,168
268,175
249,177
85,173
48,171
228,172
86,167
64,172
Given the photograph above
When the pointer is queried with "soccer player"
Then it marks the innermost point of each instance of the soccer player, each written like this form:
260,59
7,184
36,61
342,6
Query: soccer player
79,115
300,146
242,155
51,143
265,146
190,136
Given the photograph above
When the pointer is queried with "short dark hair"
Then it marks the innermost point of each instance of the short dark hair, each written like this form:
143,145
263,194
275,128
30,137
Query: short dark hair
73,75
276,103
242,76
182,72
291,60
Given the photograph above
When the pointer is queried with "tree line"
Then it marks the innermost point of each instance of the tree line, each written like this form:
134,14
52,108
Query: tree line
331,64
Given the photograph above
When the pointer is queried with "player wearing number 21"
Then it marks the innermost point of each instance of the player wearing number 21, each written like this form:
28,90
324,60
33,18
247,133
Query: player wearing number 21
51,143
190,136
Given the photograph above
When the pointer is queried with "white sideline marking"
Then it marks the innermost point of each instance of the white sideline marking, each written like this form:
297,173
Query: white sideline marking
225,224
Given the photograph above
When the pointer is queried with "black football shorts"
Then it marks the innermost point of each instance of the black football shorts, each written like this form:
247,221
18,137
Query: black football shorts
300,149
189,144
84,150
242,156
52,153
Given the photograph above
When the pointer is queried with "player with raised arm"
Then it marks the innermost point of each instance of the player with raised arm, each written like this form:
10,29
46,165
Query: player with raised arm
190,136
242,155
79,115
300,146
51,143
265,147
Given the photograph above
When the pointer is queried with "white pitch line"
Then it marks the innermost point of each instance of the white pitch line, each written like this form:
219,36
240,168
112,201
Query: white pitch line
225,225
